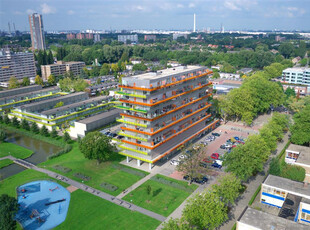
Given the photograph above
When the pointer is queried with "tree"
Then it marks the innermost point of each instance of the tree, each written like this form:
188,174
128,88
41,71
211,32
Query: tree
26,81
54,133
25,124
216,75
139,67
205,210
15,122
301,128
59,104
114,68
148,189
34,128
176,224
96,145
13,82
66,137
51,79
228,188
191,163
38,80
290,92
50,59
2,135
105,69
286,49
44,131
8,210
6,119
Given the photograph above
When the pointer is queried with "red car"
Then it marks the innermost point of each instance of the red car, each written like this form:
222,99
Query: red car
215,156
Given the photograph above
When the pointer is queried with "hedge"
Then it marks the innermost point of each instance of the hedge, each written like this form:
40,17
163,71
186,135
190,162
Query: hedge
255,194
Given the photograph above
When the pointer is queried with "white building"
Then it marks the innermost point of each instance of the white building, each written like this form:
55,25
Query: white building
230,75
296,76
133,38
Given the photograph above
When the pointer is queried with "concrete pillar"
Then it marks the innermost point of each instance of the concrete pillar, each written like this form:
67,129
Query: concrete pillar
150,166
127,159
138,163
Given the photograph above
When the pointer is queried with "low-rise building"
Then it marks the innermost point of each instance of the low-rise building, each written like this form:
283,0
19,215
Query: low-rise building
60,68
133,38
300,156
229,75
291,197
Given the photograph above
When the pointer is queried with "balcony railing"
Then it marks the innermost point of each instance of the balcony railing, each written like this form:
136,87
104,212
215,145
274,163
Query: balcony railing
131,123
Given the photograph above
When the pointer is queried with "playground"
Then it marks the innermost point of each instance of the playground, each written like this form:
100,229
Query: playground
43,204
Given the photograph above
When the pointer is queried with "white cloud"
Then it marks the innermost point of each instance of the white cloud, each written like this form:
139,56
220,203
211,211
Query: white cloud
30,11
180,6
70,12
232,5
191,5
46,9
138,8
239,4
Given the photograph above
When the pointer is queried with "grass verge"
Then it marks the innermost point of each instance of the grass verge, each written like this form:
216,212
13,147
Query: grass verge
14,150
5,162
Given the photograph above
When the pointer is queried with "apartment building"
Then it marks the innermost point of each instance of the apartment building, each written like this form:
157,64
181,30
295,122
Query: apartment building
131,37
299,76
37,31
19,65
150,37
61,68
163,110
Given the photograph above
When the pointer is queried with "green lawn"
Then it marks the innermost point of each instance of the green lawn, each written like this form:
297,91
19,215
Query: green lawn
104,172
163,199
87,211
9,185
5,162
14,150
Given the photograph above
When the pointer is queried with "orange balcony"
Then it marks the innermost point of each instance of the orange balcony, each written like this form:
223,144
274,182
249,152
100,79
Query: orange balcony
164,86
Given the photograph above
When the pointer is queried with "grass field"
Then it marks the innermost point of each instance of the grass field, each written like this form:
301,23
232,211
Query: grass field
163,198
86,211
99,173
14,150
90,212
5,162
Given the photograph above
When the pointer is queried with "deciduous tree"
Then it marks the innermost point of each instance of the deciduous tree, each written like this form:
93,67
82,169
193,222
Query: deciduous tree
38,80
8,210
13,82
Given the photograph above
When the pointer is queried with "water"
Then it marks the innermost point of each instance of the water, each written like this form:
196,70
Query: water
42,150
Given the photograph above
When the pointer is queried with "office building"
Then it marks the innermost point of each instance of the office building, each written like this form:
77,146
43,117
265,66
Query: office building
133,38
149,37
299,76
292,198
19,65
300,156
253,219
37,31
163,110
60,68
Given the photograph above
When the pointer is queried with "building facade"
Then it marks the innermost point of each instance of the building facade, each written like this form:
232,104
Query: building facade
163,110
133,38
61,68
299,76
70,36
19,65
150,37
97,38
37,31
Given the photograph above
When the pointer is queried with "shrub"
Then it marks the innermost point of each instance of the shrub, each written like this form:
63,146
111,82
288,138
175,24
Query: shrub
2,135
25,124
66,137
6,119
254,195
66,149
15,122
275,168
34,128
54,133
294,172
44,131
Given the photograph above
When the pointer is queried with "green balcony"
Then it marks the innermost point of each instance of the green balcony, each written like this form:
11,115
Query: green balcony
131,94
131,123
134,150
132,136
131,109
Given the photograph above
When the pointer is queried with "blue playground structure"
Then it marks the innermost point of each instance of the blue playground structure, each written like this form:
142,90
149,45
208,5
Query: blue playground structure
43,205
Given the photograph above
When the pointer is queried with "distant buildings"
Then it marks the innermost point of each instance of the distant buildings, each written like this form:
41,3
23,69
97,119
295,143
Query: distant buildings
19,65
80,36
296,76
61,68
71,36
37,31
133,38
96,38
175,36
149,37
278,38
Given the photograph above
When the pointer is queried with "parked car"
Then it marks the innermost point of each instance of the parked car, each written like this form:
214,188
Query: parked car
237,138
222,147
201,180
228,145
215,156
207,160
113,135
216,134
219,162
216,165
174,162
203,164
107,133
120,137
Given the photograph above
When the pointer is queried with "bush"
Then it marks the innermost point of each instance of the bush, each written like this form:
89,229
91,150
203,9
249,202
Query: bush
34,128
293,172
15,122
25,124
255,194
54,133
66,137
6,119
275,168
44,131
108,186
2,135
66,149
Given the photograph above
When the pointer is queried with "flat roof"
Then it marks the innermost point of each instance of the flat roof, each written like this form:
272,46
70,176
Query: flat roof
103,115
74,105
297,69
165,73
304,153
266,221
287,185
19,90
50,100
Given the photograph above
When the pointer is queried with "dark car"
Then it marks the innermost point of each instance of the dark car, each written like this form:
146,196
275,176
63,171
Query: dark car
201,180
186,177
203,164
216,134
120,137
222,147
107,133
114,135
216,165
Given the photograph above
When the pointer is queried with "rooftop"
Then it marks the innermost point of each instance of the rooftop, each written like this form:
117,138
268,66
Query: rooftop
165,72
288,185
297,69
113,112
74,105
304,153
262,220
21,90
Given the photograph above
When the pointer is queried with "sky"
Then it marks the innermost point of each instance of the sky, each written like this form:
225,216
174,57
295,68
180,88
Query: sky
158,14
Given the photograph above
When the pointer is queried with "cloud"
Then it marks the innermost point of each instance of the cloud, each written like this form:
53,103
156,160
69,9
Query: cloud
70,12
239,4
191,5
231,5
138,8
180,6
46,9
30,11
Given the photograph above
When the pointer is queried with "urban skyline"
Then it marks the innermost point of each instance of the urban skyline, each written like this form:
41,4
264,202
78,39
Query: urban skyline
106,15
